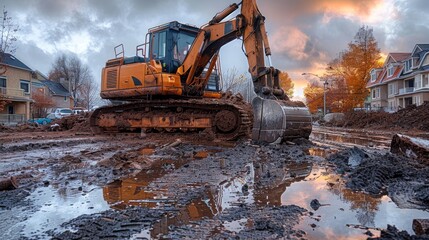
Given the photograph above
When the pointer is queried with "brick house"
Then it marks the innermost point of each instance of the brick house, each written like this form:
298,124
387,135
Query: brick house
15,86
402,81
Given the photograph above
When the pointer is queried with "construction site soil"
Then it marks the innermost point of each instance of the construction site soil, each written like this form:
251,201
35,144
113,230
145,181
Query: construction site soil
76,185
408,118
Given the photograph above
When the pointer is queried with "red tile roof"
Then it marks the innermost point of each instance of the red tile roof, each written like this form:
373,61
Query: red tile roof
398,57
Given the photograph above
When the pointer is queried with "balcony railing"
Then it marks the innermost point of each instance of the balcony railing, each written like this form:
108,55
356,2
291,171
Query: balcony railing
406,90
12,92
12,118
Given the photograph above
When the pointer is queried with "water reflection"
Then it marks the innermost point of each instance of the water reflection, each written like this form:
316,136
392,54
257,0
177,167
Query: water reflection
362,139
134,191
245,189
345,207
269,191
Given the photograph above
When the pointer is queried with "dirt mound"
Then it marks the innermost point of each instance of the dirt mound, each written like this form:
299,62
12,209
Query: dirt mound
378,173
411,117
77,123
391,232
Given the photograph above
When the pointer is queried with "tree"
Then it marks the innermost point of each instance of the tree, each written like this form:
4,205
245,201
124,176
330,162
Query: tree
7,45
356,63
348,74
89,93
313,93
286,83
41,104
71,72
238,83
233,81
8,31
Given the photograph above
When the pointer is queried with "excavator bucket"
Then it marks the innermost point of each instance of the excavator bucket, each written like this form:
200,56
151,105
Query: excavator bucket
278,120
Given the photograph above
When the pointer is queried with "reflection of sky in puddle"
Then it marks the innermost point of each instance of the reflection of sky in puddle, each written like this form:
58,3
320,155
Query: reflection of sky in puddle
346,207
55,208
235,226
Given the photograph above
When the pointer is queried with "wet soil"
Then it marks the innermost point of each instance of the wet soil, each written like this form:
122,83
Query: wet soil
175,186
409,118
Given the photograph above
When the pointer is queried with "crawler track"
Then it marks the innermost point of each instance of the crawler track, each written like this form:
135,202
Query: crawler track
226,118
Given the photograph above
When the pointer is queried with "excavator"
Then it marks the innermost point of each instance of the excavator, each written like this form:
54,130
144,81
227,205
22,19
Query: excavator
172,83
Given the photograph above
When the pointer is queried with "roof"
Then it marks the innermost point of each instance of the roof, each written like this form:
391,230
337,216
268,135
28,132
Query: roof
398,57
420,48
9,59
56,88
383,77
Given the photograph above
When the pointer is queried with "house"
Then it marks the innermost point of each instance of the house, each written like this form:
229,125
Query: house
59,95
55,91
15,86
402,81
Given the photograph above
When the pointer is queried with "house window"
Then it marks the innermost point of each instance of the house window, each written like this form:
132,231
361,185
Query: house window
408,65
376,93
391,89
390,71
25,85
65,99
373,76
419,81
425,80
2,82
417,100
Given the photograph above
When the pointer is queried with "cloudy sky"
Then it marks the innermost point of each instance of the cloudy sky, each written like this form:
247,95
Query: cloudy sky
304,34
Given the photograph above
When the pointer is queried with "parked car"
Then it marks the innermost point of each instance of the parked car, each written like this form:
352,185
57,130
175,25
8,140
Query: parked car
41,121
79,110
62,112
51,116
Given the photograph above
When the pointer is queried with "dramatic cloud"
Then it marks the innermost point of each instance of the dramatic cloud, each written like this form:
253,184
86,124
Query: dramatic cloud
304,34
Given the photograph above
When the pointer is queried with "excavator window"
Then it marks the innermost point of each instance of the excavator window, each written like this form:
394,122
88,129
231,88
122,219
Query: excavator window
159,45
170,44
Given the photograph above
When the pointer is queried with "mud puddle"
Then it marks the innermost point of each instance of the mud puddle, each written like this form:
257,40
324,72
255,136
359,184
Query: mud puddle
352,138
344,213
50,207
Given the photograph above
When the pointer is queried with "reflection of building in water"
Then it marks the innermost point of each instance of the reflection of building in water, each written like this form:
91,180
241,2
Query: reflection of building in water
270,192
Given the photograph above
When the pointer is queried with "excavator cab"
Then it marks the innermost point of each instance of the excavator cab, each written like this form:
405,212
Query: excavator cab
169,44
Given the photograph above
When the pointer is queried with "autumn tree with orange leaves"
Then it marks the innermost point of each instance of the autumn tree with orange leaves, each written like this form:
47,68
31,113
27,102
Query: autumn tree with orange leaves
348,75
286,83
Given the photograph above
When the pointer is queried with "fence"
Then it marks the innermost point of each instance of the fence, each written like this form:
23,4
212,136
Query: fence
12,118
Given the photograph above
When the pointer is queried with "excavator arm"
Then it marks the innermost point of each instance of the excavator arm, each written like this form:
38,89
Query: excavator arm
250,26
275,117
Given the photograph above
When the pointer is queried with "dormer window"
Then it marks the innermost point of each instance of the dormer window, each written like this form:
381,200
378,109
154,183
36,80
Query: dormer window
373,76
408,65
390,71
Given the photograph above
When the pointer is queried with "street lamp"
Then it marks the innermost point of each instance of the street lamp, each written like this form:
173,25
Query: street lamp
325,86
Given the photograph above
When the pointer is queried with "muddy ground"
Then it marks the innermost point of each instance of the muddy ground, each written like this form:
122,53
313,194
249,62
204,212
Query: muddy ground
74,185
406,119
